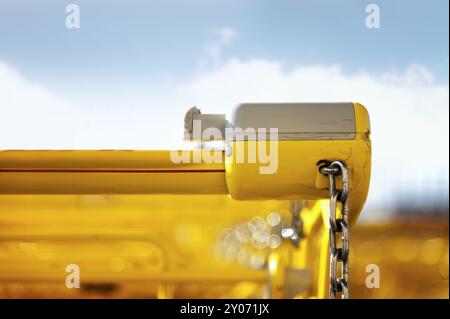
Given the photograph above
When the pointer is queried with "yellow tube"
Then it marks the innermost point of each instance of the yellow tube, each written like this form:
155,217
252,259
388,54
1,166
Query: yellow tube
107,172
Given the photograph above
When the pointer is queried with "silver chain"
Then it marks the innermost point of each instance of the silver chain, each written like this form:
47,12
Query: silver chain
338,227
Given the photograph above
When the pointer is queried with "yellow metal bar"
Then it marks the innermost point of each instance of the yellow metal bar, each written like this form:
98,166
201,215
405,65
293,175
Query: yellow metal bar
107,172
202,276
314,253
28,235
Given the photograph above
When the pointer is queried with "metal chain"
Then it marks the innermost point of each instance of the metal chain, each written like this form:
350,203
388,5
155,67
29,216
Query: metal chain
338,227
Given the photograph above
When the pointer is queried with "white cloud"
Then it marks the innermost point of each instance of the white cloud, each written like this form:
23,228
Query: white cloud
29,113
33,117
409,113
224,37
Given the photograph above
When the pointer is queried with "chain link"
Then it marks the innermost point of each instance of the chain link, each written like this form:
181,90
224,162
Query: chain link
338,227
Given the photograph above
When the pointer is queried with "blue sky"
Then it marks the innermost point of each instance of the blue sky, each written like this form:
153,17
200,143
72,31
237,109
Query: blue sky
132,41
125,78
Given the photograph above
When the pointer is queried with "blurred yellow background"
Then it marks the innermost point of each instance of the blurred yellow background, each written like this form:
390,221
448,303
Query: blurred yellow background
196,246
